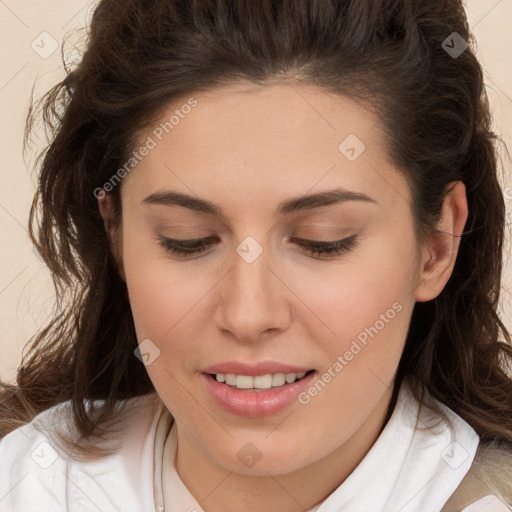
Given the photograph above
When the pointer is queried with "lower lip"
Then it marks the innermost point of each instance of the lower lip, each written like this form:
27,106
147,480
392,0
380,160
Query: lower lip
256,403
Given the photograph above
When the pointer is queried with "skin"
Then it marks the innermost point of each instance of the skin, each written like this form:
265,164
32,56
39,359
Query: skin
247,149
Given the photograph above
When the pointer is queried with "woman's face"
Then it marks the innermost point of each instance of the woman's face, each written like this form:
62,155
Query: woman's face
253,302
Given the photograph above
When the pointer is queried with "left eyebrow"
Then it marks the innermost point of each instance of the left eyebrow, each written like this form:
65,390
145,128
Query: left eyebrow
326,198
305,202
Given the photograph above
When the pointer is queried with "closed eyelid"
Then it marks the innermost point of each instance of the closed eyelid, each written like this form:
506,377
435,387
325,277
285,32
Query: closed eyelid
194,246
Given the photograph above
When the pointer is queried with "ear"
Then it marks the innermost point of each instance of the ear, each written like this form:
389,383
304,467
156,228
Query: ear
439,255
112,228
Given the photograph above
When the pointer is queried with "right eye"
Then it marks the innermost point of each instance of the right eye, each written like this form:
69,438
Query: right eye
186,247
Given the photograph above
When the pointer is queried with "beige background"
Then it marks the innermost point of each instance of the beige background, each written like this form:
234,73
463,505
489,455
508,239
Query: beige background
30,40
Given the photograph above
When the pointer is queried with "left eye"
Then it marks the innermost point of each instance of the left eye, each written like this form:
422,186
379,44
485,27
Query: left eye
338,247
312,247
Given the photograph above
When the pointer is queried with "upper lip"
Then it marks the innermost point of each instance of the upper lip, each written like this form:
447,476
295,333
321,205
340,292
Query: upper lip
254,369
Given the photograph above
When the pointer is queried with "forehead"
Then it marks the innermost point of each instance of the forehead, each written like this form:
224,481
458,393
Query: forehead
254,143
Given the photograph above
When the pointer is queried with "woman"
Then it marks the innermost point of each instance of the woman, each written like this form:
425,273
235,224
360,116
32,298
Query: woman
276,233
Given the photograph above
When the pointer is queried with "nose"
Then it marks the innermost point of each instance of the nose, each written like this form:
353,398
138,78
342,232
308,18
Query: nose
253,300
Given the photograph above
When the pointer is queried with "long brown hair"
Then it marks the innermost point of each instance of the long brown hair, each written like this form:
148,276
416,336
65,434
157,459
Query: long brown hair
389,54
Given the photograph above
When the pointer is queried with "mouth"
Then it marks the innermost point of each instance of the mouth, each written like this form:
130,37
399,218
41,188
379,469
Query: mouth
256,396
258,383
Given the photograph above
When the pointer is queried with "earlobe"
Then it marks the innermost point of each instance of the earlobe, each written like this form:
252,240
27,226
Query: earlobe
112,226
440,253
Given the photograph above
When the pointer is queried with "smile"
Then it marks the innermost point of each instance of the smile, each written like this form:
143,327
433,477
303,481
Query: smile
259,382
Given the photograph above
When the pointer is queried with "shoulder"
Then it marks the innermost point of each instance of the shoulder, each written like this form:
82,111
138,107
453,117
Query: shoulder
489,478
28,461
38,473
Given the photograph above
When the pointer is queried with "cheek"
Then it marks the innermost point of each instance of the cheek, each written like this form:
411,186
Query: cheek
165,297
167,309
364,303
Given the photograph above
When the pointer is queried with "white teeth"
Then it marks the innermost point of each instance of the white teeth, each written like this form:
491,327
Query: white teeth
259,382
230,379
263,381
244,381
278,379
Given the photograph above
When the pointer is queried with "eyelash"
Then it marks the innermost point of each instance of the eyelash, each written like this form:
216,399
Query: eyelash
311,247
